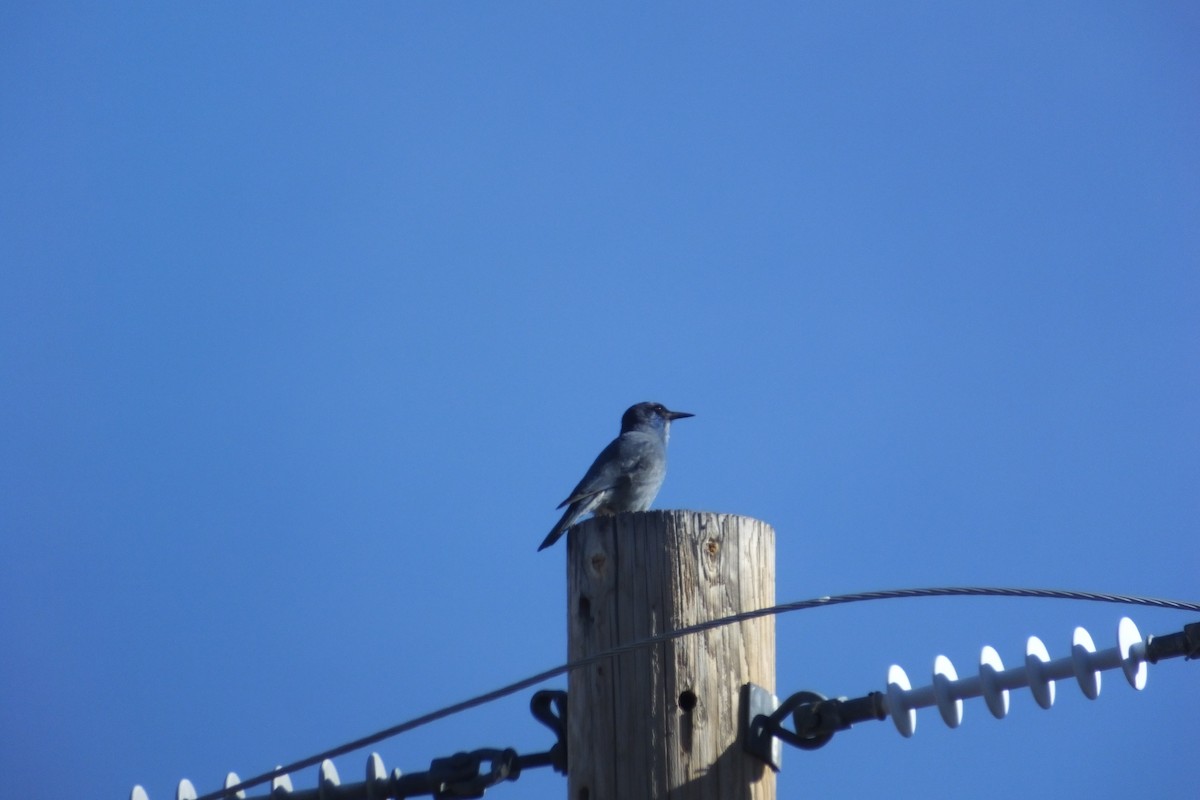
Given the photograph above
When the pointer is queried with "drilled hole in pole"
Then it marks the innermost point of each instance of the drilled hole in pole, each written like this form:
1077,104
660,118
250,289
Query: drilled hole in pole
687,700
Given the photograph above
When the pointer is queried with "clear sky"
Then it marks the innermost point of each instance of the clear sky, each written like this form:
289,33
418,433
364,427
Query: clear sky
311,314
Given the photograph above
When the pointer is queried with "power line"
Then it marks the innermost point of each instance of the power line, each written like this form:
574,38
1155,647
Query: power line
666,636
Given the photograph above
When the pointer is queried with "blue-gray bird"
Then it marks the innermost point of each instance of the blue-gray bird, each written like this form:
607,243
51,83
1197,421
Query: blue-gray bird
627,474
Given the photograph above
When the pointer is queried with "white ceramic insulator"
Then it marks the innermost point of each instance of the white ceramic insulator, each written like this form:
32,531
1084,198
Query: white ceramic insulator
377,778
947,690
329,773
990,666
949,706
185,790
138,793
281,783
904,717
1036,661
1083,651
1133,653
231,780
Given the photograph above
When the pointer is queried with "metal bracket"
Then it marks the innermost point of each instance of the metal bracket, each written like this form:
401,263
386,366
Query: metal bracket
549,707
758,739
814,720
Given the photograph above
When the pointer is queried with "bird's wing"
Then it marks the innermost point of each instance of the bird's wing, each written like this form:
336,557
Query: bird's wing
616,464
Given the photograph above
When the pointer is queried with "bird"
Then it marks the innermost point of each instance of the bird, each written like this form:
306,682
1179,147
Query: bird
628,473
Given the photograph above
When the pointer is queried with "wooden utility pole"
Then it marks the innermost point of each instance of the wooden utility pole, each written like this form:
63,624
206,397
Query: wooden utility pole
663,721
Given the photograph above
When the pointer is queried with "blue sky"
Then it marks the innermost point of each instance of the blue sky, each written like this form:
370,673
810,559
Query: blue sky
311,314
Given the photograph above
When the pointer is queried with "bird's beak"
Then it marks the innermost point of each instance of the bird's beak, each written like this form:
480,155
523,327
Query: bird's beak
673,415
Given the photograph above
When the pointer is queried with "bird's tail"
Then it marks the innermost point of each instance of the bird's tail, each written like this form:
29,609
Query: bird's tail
573,512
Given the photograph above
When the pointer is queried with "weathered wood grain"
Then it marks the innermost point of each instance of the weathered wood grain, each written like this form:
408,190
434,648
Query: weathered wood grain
662,722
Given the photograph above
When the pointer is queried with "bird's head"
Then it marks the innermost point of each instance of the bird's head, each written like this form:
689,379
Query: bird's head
651,417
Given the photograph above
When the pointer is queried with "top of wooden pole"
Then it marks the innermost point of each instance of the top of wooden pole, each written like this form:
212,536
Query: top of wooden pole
663,720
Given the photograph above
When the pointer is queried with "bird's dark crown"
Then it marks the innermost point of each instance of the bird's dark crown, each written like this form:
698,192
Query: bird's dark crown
653,415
